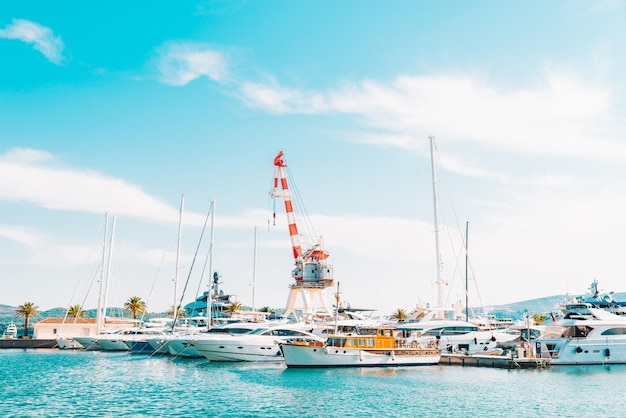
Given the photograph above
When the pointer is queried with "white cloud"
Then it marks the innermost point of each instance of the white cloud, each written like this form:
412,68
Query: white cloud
43,39
562,116
20,235
179,63
25,155
75,190
277,99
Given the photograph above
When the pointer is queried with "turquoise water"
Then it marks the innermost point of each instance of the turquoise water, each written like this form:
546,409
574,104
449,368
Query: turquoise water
77,383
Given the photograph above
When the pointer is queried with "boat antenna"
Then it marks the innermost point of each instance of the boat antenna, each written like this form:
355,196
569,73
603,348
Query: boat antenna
336,307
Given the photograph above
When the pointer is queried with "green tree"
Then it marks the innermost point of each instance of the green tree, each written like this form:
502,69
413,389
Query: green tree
399,314
181,311
25,311
76,311
539,318
135,305
233,307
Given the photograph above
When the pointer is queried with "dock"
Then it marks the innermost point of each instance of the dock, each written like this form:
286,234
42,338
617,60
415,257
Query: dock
495,361
26,343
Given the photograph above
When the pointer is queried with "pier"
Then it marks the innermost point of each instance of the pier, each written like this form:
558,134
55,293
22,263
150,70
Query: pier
27,343
495,361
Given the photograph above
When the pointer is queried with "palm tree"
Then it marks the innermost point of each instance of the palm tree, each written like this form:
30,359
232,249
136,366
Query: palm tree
266,309
26,310
539,318
233,307
399,314
135,305
76,311
181,311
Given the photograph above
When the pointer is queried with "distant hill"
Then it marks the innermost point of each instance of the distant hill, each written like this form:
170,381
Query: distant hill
6,310
7,313
540,305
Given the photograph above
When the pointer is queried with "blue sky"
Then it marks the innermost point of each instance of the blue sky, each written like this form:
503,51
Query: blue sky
123,107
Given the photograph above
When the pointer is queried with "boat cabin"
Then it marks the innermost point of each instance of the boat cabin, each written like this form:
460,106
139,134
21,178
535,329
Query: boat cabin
365,338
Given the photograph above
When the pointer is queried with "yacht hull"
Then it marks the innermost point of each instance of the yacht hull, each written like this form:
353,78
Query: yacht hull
304,356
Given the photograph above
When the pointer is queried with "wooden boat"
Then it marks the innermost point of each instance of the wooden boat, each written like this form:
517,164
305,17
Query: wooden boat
367,347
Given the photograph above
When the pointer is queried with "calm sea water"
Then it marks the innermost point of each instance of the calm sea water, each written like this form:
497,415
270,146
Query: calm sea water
78,383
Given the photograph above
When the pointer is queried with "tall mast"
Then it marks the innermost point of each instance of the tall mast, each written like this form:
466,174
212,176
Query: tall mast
254,270
99,313
108,277
466,271
209,297
437,253
180,224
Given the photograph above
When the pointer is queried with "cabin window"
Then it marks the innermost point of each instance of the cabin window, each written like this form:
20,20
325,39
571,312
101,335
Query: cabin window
351,342
370,342
614,331
578,331
54,331
361,342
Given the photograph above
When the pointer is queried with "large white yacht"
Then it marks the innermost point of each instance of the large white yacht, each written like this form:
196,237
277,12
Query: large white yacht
598,338
177,344
453,335
260,344
123,340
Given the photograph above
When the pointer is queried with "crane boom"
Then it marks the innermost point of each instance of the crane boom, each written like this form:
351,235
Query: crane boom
279,173
310,264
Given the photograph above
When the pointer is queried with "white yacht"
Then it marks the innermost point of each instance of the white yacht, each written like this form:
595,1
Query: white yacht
366,347
455,336
67,343
595,339
123,340
260,344
177,344
10,331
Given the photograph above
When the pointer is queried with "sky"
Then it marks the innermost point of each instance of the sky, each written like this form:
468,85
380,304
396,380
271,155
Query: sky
130,108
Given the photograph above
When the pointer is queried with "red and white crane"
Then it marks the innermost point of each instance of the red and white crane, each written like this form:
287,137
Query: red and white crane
311,266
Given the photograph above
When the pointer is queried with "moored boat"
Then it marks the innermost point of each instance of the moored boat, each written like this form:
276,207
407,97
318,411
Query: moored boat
455,335
587,340
260,344
368,347
10,332
67,343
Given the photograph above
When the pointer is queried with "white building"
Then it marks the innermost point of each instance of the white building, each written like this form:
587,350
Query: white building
53,328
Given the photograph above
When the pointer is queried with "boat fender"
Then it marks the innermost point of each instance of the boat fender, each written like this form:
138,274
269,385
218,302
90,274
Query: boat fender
607,353
579,350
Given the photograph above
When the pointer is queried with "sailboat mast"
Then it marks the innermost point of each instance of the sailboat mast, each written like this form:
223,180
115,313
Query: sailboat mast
209,298
466,271
108,276
180,224
254,269
437,252
99,314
